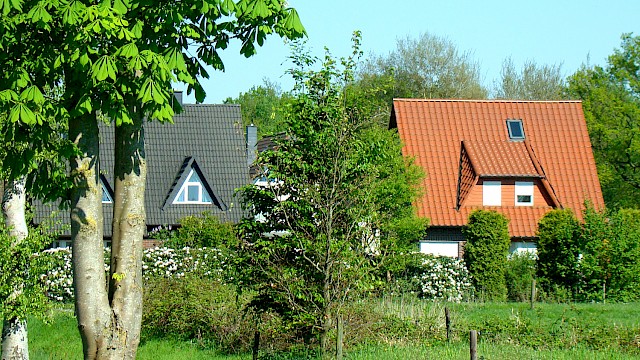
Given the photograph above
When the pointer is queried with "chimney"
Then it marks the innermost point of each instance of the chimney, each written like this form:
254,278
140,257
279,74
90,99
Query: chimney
178,95
252,144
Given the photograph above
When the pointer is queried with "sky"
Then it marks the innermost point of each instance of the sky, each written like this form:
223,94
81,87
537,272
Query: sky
566,32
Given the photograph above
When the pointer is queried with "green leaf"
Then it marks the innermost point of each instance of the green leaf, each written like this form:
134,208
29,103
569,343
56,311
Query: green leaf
103,68
121,6
175,59
157,94
129,50
146,91
7,5
32,93
8,95
293,24
84,59
84,105
137,29
39,13
261,10
227,7
20,112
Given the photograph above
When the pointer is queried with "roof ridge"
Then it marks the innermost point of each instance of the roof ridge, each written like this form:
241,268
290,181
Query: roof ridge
487,100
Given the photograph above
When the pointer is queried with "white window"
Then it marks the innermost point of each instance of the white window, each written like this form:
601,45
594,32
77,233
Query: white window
491,193
524,193
192,191
106,196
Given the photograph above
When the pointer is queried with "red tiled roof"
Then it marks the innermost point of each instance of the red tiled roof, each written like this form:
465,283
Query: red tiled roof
500,158
557,149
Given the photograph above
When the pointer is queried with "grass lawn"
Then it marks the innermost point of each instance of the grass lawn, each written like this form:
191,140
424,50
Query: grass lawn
508,331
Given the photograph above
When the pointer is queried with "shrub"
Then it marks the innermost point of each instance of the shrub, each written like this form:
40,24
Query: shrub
618,257
485,252
519,274
194,308
200,231
157,262
443,278
558,252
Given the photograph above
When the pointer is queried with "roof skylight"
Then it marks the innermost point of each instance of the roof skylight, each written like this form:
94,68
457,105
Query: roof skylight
516,130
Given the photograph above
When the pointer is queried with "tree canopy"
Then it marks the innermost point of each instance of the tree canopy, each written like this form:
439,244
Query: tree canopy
336,203
116,61
611,102
533,82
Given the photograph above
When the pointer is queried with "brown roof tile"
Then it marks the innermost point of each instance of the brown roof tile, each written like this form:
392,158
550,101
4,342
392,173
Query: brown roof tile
557,149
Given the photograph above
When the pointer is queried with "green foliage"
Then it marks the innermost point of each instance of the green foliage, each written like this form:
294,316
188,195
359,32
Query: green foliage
595,249
263,106
485,253
611,102
205,230
20,268
610,255
425,67
406,328
625,256
519,274
197,309
558,251
337,204
533,82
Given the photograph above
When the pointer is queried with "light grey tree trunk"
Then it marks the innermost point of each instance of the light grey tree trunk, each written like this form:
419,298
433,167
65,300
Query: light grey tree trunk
129,225
92,304
109,311
14,330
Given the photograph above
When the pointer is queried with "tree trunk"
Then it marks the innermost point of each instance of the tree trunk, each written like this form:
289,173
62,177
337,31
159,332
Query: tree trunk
92,305
14,330
129,224
326,320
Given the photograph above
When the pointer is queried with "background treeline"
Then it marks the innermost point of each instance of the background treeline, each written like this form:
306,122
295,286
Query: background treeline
429,66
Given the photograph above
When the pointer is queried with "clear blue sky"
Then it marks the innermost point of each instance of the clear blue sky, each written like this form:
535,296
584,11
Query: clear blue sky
546,31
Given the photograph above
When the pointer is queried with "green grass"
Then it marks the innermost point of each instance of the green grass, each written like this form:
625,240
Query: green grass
460,351
508,331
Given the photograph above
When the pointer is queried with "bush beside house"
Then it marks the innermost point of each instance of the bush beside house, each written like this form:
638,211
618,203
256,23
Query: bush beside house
485,253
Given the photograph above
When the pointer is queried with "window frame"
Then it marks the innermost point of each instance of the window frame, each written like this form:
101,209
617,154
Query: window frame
492,193
524,188
510,131
107,193
190,183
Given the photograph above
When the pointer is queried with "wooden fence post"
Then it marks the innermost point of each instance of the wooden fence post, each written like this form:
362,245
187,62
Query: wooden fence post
473,344
256,344
340,338
447,318
533,293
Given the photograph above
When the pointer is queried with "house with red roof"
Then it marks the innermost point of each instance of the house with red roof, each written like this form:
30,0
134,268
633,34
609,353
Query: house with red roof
520,158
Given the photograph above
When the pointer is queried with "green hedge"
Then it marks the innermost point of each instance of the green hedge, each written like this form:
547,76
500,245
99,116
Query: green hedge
485,253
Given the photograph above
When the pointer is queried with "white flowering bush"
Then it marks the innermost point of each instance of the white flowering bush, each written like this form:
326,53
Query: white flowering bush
58,281
157,263
443,278
176,263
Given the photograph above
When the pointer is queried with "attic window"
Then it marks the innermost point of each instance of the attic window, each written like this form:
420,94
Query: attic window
107,198
193,191
516,131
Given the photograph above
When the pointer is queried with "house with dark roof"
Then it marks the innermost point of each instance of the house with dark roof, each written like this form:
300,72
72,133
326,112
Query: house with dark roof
520,158
193,165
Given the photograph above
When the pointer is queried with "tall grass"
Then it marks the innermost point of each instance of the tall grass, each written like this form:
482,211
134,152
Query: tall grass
415,330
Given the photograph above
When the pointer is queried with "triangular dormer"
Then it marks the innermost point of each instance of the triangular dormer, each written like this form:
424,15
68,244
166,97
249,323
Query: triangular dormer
493,163
107,192
191,187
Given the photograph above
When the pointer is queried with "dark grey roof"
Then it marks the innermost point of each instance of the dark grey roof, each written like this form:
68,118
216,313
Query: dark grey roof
207,137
